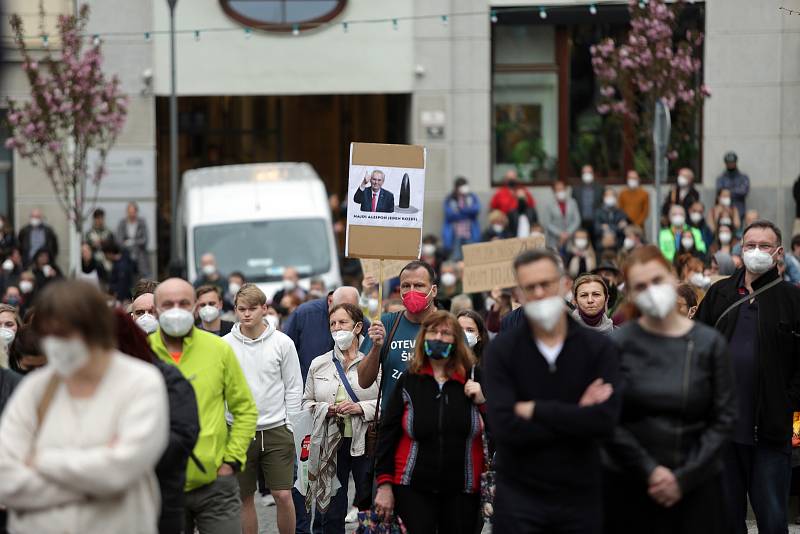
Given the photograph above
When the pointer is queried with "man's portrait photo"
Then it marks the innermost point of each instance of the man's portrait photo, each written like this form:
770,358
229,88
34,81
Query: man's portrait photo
374,198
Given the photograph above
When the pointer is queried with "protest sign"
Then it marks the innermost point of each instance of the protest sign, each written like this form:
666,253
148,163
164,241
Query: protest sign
385,200
489,265
391,268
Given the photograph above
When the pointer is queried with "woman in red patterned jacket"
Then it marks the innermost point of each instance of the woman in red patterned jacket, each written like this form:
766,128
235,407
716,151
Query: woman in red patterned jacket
430,449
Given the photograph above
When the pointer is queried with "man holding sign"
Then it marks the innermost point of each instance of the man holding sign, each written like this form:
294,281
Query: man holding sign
418,293
375,199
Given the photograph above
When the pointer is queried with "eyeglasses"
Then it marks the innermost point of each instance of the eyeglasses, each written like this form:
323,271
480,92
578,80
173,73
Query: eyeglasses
545,285
763,246
441,333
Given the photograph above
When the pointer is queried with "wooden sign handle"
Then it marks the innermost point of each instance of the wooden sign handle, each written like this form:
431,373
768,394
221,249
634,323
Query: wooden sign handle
379,311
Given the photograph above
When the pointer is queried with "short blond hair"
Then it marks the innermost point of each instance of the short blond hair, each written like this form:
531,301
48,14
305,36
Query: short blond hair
250,294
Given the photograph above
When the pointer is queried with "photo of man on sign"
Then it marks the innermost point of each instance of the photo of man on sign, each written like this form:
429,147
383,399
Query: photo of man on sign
374,198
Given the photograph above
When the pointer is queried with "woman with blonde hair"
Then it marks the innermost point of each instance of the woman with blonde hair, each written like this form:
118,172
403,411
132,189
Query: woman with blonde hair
430,449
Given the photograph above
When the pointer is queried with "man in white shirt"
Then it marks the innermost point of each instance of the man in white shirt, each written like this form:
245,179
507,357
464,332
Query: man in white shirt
272,369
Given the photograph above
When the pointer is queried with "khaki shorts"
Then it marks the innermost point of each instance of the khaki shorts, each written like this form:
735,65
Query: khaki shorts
272,451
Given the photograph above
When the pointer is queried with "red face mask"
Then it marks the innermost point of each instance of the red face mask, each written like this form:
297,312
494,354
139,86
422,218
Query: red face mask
416,301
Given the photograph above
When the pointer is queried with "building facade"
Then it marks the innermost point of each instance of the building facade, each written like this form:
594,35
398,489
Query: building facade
304,92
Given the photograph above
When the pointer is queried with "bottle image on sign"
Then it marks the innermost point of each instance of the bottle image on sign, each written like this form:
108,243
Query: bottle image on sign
405,192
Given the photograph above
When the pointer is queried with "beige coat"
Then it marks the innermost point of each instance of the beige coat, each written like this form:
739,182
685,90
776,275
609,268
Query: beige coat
323,383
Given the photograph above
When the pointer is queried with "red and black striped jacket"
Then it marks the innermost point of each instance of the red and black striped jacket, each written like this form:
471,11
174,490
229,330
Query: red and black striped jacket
430,438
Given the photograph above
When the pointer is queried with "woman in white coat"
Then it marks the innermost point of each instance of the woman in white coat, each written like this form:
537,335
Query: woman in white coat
80,438
354,406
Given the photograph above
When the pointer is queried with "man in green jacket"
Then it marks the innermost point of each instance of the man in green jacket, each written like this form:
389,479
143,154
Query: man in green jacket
669,239
212,492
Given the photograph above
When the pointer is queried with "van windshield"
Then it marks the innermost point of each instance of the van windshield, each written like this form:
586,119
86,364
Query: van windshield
261,250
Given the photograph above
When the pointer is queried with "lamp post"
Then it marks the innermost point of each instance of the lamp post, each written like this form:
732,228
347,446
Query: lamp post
175,253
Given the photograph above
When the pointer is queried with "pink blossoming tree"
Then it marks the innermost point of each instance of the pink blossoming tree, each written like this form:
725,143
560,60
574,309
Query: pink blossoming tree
650,64
73,109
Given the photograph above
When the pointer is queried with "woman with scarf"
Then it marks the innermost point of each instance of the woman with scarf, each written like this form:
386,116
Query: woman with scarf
333,380
591,299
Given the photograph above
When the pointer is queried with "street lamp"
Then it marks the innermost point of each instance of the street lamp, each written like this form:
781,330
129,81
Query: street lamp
175,254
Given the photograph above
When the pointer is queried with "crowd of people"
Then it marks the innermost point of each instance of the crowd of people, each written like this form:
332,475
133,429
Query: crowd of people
621,386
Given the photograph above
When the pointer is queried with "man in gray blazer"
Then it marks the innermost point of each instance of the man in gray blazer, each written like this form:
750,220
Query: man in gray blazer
560,217
132,236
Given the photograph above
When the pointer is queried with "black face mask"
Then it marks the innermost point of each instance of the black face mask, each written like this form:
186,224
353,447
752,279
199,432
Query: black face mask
437,350
513,183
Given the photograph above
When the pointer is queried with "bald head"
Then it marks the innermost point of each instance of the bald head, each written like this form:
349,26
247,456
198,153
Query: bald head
174,292
142,304
345,295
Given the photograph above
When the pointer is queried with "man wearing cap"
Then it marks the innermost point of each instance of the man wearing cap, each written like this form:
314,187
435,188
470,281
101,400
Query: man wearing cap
735,181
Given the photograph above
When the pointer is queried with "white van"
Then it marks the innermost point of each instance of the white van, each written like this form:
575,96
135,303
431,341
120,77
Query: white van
259,219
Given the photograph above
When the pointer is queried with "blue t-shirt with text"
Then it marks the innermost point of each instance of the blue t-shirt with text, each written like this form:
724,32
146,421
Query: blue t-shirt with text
401,350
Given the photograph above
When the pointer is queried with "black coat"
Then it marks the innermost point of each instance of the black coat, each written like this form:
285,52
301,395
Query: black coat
50,243
678,408
430,439
183,431
778,381
8,381
557,452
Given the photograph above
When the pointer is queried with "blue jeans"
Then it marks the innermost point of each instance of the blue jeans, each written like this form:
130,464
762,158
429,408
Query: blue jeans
332,522
764,474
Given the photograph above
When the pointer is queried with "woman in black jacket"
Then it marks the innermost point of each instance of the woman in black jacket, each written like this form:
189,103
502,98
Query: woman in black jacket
183,426
678,412
430,449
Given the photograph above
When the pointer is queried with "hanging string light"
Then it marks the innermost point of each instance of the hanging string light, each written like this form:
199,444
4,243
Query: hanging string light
493,16
542,13
295,30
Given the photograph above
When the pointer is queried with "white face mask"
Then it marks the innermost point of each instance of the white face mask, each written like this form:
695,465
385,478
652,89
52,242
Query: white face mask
725,201
628,243
700,280
688,244
343,338
545,313
610,201
757,261
428,249
233,289
657,301
472,339
498,228
633,184
176,322
696,216
581,243
448,279
25,286
464,190
273,321
682,181
7,336
561,195
725,221
36,222
8,266
289,285
724,238
65,355
208,314
587,177
209,269
147,323
677,221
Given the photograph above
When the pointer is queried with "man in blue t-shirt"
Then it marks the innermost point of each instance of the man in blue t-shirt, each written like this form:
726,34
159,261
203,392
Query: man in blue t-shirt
418,293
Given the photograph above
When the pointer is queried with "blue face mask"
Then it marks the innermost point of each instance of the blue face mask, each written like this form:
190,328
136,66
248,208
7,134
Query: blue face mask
437,350
12,301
